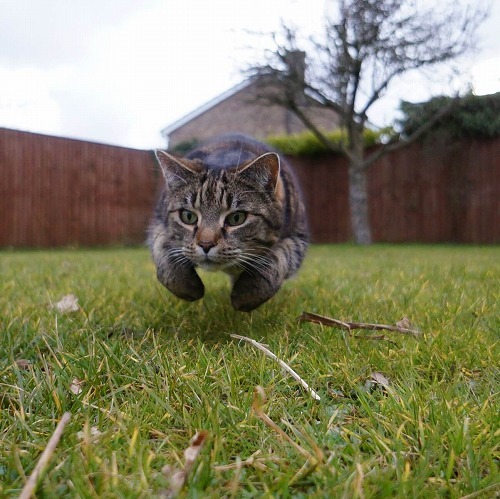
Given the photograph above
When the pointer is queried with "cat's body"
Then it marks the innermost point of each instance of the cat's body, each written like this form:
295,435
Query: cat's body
231,205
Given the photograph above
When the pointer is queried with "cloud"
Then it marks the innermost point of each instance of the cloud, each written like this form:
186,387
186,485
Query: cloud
117,71
120,69
26,101
48,33
486,76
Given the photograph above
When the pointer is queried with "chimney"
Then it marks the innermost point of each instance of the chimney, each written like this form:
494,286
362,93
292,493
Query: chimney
295,61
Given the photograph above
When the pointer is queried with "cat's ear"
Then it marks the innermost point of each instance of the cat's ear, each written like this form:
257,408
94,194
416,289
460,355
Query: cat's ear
177,170
265,170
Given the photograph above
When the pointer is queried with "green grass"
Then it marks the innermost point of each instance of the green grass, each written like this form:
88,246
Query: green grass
155,370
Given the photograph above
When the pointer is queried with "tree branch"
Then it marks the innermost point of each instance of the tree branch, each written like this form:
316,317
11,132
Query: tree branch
314,129
400,144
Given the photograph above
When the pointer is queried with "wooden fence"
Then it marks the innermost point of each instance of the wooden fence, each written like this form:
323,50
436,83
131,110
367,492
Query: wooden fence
63,192
426,193
60,192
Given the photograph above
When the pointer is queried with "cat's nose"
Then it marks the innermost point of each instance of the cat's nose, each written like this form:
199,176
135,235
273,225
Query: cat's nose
206,245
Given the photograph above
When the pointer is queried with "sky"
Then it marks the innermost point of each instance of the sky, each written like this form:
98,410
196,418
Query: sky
118,71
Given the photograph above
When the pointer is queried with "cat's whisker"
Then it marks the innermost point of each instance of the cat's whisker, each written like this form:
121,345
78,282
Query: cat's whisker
258,249
258,255
241,266
259,263
177,258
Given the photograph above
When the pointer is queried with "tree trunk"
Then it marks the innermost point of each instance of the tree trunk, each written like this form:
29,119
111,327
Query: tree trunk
358,185
358,204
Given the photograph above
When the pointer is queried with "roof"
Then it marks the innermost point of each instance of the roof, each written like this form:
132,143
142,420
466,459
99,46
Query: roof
205,107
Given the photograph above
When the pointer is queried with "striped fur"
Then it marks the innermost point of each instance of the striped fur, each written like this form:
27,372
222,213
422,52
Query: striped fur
231,205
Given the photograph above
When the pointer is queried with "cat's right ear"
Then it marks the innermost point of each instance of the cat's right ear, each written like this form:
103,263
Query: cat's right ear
177,170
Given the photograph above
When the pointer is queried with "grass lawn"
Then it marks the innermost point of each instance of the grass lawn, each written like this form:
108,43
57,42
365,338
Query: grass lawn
141,372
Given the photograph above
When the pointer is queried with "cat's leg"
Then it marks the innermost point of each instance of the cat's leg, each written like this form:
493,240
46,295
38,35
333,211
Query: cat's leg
175,273
252,288
181,280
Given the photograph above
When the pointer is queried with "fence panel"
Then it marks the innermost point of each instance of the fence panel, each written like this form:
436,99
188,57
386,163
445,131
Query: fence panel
426,192
59,192
63,192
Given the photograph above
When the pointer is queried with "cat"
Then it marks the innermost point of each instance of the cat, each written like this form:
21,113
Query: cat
233,205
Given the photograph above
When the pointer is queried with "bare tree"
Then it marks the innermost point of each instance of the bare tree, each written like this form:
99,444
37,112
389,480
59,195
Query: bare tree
364,48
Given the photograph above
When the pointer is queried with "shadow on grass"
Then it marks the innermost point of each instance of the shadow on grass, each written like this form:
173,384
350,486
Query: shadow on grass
212,319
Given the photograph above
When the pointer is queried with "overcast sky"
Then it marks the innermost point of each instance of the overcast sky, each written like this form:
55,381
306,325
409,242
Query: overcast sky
118,71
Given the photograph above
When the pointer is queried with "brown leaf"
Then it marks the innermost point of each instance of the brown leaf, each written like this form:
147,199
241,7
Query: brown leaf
94,433
177,477
405,323
377,380
196,444
76,386
23,364
380,379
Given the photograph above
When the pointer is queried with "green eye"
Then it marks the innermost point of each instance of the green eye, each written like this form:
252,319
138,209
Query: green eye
236,218
188,217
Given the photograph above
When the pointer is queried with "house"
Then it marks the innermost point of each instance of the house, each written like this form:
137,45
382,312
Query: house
239,109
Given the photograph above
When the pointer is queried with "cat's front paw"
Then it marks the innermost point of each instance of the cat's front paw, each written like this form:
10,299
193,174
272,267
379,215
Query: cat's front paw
249,292
183,283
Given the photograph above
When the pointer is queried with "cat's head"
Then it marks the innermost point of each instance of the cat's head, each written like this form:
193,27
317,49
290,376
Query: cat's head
221,219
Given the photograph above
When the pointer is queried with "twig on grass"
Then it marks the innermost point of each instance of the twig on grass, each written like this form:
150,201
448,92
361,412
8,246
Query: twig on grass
285,366
478,493
328,321
252,461
30,486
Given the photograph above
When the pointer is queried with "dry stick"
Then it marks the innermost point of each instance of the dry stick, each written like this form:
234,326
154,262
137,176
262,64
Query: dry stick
256,462
482,491
30,486
327,321
285,366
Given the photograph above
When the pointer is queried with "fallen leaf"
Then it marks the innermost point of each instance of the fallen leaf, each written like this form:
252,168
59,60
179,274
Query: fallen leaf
177,477
68,303
404,323
380,379
195,446
94,433
23,364
377,380
76,386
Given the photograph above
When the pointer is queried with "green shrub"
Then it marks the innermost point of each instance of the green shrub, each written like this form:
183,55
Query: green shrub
472,116
307,144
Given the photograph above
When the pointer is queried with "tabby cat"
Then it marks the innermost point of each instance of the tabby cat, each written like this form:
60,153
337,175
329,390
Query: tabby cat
231,205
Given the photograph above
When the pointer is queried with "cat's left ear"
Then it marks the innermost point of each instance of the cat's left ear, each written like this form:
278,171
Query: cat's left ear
265,170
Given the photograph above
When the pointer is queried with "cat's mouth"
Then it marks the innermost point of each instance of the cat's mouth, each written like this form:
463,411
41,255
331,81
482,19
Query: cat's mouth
208,264
212,261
